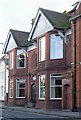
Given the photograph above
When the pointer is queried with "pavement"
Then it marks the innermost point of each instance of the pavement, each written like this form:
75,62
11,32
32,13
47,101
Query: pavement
53,112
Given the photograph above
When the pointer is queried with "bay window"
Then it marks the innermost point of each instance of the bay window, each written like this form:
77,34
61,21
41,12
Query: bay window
55,86
56,47
20,88
42,87
21,59
42,49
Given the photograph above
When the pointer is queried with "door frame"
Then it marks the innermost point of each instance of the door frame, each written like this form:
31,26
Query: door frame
33,93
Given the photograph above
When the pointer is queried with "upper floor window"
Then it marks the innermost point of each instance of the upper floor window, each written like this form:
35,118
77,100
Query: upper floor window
42,49
11,60
56,47
21,59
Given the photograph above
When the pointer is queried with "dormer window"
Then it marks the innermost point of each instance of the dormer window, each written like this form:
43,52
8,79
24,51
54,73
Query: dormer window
56,47
21,59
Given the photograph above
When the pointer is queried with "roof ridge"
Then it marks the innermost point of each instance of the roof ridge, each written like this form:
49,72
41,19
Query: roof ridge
52,11
18,31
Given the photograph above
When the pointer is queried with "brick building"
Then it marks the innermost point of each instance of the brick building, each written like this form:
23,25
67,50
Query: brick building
76,35
53,58
18,72
45,79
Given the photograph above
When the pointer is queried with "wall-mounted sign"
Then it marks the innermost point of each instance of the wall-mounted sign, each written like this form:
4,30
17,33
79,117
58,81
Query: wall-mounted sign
34,78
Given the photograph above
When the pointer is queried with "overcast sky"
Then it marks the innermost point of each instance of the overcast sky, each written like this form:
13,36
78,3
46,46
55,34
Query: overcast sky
17,14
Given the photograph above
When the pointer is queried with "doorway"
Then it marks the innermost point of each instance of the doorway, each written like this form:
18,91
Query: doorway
33,94
67,96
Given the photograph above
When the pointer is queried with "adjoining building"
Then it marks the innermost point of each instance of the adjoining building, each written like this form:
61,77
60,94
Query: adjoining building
15,48
50,32
3,78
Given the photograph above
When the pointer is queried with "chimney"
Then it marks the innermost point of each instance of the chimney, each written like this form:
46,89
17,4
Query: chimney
33,19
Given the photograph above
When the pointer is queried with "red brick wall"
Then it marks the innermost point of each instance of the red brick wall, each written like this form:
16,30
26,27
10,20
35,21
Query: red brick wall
32,66
15,74
51,66
78,57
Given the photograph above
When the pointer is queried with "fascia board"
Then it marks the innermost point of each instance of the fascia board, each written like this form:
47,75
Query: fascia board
35,24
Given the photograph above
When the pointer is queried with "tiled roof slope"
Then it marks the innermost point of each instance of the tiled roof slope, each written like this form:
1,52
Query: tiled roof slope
20,37
58,20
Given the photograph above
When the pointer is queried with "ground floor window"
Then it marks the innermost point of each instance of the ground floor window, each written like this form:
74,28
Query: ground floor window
11,89
20,88
56,86
42,87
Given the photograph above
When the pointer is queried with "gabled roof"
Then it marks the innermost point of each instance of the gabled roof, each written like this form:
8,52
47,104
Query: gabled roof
57,20
20,38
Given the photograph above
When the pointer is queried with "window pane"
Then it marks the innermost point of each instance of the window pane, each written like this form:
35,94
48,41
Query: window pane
11,89
56,47
52,81
11,60
22,85
42,49
52,92
22,93
20,88
21,58
58,82
56,86
42,86
42,92
58,92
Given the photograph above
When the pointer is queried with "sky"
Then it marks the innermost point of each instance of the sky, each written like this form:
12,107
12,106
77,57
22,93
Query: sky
17,14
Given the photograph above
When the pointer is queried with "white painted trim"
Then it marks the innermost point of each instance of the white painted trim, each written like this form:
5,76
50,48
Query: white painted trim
41,98
21,80
11,44
32,47
24,59
35,23
20,97
6,42
55,98
39,87
50,86
10,97
39,58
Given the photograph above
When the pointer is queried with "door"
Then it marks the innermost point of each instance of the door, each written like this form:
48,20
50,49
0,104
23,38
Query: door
33,93
68,97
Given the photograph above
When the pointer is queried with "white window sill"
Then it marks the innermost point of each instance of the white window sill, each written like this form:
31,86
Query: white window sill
10,97
20,67
56,58
20,97
55,98
41,98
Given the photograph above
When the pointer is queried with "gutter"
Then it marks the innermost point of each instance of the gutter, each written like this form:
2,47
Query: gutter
76,17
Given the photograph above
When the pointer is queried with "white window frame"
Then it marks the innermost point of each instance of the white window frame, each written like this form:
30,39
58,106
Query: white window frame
56,47
11,89
20,81
17,61
54,86
43,86
42,47
11,60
